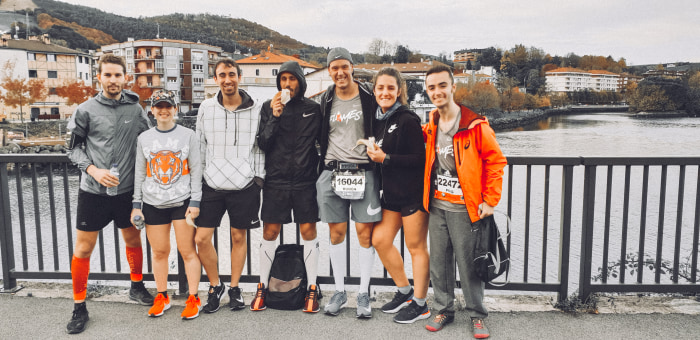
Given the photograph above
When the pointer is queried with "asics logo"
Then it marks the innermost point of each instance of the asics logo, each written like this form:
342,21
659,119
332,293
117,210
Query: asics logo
373,211
308,114
392,128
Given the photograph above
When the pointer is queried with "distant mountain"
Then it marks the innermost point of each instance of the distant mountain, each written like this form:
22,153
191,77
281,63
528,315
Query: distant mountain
95,26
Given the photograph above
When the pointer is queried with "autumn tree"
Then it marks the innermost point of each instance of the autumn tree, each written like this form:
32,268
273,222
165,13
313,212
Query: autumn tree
18,91
75,92
482,97
144,93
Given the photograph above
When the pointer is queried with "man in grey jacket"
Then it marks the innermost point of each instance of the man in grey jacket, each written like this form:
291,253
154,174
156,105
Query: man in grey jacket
233,174
104,130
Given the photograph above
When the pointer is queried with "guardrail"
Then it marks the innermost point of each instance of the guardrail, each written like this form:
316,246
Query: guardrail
563,210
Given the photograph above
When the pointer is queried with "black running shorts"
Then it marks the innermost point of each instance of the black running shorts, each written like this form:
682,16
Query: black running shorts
96,211
157,216
278,204
243,207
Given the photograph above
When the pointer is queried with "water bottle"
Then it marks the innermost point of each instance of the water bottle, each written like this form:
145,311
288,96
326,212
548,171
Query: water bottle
112,191
138,221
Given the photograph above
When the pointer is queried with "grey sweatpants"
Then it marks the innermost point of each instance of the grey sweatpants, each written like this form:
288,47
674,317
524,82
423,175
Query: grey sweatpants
450,239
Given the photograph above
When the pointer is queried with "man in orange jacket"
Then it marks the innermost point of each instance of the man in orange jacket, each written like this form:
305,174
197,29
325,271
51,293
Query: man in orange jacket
462,184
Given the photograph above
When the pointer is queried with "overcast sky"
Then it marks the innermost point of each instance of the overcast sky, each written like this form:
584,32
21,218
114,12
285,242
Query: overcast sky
642,31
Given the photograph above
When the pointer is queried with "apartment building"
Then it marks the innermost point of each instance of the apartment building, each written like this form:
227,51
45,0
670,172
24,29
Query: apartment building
38,58
175,65
568,79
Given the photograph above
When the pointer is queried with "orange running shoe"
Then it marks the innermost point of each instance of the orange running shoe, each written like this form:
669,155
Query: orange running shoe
160,305
311,301
192,308
258,303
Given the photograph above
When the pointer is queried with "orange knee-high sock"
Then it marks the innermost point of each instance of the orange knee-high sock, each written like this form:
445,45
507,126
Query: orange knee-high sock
79,270
135,258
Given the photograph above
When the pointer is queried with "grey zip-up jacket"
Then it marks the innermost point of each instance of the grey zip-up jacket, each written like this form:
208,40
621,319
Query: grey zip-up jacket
110,129
230,155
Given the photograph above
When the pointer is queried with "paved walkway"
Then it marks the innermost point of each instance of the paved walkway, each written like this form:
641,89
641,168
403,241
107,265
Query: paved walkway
39,317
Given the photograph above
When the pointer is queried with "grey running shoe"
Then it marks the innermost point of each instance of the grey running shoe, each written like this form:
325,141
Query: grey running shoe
235,299
412,313
364,310
479,328
140,294
78,320
399,301
439,321
216,294
338,301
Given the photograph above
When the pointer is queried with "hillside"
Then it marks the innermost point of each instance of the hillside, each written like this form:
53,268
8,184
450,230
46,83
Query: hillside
97,26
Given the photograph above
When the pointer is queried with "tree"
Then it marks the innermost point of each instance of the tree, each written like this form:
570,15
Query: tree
482,97
144,93
20,92
402,54
75,92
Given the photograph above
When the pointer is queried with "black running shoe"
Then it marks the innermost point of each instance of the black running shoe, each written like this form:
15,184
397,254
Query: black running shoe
216,294
399,301
235,301
140,294
412,313
79,320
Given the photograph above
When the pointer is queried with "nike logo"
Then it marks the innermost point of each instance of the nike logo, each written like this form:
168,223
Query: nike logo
371,211
254,221
127,121
392,128
308,114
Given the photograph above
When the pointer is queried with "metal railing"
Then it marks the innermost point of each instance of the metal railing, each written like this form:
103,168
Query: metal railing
546,198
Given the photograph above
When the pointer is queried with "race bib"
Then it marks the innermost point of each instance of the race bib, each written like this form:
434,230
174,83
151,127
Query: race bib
449,185
349,184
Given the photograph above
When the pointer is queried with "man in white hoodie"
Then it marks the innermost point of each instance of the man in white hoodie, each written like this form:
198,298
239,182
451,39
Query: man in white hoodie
233,175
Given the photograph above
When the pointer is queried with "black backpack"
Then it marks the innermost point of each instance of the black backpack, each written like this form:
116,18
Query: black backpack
491,259
287,286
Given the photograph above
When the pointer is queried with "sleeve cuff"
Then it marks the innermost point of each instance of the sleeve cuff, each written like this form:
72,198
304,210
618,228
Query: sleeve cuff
136,205
194,204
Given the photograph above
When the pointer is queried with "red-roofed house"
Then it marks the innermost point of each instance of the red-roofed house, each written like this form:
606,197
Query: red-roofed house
568,79
259,72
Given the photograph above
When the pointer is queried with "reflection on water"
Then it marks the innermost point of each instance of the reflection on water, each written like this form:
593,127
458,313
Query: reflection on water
605,134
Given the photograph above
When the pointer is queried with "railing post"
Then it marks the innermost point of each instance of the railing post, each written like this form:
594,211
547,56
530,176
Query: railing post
7,249
182,286
589,181
565,233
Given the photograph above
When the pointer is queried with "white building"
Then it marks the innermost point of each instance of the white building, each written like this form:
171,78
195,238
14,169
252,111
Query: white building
567,79
37,58
259,73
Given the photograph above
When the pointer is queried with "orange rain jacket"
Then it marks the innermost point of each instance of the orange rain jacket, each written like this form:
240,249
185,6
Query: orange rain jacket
478,158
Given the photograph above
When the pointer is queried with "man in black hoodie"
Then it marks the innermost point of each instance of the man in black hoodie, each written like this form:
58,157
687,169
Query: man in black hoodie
289,128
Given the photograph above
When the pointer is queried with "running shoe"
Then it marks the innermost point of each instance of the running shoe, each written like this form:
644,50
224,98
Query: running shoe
192,308
412,313
78,320
258,303
364,310
399,301
439,321
338,301
140,294
479,328
235,301
160,305
311,301
216,294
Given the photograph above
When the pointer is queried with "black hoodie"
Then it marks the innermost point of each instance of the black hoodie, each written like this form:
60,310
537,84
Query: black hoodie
400,136
289,141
